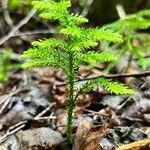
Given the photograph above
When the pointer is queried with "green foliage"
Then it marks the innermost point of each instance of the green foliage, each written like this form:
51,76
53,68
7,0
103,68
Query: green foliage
113,87
134,40
19,4
6,65
14,4
69,51
135,21
95,57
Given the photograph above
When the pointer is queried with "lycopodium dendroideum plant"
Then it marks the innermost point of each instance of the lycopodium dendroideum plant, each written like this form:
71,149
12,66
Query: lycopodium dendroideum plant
69,52
6,64
135,42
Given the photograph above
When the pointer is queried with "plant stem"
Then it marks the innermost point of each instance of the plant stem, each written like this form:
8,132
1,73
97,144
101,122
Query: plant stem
71,102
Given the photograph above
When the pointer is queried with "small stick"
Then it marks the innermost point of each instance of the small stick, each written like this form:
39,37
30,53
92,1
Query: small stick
125,75
86,8
3,138
120,10
7,17
28,33
112,76
8,98
95,113
45,118
17,27
45,110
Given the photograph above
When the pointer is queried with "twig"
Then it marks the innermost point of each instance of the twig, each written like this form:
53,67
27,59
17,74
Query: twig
45,118
27,33
130,98
6,12
17,27
16,125
45,110
86,8
131,119
120,10
95,113
112,76
8,99
125,75
8,133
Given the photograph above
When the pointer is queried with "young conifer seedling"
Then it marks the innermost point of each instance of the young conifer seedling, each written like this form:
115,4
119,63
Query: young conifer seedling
68,51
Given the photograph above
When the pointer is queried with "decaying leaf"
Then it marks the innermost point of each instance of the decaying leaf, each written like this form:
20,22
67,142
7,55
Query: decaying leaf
61,122
88,136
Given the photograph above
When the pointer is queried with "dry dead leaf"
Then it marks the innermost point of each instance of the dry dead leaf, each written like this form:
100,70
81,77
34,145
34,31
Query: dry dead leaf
87,136
61,121
81,133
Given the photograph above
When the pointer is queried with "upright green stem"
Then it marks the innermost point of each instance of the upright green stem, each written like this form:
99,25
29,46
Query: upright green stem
71,102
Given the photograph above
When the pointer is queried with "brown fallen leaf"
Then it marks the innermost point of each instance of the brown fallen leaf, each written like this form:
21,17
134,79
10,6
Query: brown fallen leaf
81,132
61,121
138,145
87,136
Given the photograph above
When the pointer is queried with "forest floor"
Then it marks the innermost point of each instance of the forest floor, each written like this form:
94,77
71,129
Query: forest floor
33,114
33,102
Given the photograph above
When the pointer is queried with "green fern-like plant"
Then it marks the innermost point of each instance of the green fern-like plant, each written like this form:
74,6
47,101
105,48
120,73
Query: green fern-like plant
135,42
6,65
69,50
16,5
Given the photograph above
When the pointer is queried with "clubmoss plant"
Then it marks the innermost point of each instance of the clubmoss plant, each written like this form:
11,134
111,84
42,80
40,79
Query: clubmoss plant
136,41
69,49
16,5
6,65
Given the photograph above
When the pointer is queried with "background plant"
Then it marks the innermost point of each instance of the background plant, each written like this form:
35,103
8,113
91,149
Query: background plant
69,49
136,41
6,64
19,4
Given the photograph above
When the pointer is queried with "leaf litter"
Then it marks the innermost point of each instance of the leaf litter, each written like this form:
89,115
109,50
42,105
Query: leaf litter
102,121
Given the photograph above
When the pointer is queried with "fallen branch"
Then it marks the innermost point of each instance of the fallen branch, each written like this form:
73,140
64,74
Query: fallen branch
125,75
7,17
17,27
4,102
112,76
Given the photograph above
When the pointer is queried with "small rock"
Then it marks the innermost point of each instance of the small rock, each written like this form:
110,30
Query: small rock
106,144
136,135
38,136
37,96
10,144
27,99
